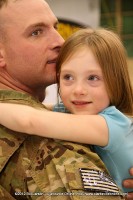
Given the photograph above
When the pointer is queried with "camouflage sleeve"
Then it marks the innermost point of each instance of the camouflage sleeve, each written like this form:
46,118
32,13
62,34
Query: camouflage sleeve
10,141
57,170
9,144
4,195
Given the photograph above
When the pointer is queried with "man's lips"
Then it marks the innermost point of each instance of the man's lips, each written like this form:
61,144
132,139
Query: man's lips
52,61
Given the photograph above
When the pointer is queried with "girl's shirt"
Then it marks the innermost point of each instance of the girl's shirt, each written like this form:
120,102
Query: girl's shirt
118,154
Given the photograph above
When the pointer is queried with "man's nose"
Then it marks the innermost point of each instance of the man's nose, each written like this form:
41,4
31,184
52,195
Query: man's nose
57,41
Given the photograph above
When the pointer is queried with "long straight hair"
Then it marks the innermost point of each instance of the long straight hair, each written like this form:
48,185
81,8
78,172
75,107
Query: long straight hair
111,56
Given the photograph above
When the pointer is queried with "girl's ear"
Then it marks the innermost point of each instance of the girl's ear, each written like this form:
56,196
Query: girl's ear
2,60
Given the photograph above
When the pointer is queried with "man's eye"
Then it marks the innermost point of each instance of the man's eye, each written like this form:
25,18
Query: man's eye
36,32
93,78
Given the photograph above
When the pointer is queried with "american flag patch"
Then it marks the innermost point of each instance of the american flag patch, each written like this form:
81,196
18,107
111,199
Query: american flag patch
97,181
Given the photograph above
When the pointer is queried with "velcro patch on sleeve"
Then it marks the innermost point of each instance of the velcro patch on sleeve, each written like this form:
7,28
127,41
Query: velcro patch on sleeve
97,181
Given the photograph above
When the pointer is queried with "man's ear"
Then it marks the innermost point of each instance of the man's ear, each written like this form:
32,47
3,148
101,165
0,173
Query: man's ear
2,60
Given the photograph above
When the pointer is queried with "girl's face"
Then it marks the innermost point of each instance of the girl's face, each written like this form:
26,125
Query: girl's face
82,87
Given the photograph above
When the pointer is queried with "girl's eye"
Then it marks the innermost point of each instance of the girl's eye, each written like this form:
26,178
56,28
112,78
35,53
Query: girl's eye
93,78
36,32
68,77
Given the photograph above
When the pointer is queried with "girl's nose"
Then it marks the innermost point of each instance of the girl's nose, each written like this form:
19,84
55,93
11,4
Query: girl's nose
80,90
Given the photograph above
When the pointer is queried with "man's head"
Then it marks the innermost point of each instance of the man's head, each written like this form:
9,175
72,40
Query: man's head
29,45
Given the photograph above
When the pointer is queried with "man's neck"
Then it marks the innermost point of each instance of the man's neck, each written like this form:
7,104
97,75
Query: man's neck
8,83
38,93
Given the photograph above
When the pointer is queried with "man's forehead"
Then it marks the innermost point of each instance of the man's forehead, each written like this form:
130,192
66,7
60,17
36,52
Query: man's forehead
23,15
26,9
6,3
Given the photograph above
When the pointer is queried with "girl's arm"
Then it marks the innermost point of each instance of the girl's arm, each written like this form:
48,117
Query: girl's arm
89,129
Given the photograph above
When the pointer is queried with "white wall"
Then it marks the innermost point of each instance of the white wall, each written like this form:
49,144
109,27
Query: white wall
51,94
86,12
83,11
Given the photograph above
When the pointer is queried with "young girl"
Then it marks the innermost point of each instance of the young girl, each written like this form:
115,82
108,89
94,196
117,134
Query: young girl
94,85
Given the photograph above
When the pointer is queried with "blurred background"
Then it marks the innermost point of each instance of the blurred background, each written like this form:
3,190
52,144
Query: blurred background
113,14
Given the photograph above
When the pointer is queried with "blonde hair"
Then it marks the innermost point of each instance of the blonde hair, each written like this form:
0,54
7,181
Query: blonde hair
111,56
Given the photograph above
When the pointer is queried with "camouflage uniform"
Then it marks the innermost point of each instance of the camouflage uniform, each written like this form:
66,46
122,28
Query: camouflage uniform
34,168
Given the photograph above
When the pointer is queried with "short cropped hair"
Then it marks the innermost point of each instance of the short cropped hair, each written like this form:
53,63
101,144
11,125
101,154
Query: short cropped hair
3,2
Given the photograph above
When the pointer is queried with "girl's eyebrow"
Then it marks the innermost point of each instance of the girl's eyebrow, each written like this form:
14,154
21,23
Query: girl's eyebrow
88,71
